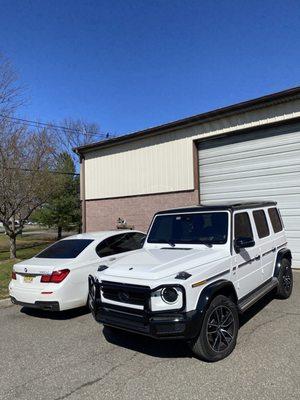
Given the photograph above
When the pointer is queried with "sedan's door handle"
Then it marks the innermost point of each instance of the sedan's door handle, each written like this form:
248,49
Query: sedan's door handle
112,259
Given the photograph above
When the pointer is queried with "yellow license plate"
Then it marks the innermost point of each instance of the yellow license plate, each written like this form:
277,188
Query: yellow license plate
28,279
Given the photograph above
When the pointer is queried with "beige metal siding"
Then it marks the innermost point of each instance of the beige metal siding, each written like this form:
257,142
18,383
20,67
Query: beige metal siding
153,165
164,163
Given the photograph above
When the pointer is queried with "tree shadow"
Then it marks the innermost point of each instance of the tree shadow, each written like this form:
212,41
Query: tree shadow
55,315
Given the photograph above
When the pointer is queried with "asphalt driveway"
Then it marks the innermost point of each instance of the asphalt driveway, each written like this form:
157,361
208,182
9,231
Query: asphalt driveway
69,356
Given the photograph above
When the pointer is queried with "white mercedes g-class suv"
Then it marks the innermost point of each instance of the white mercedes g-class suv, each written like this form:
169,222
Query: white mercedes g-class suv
199,268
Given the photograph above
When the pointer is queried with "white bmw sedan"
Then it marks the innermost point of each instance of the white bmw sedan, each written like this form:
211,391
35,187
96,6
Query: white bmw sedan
57,278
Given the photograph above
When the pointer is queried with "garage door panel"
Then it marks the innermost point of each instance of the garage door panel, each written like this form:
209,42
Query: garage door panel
261,156
261,165
284,171
265,183
253,141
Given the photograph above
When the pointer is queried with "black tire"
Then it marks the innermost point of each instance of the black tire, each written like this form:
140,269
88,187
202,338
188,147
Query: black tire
218,334
285,279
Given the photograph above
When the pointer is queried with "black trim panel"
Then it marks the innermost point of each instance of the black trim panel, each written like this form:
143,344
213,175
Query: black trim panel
268,252
218,275
281,246
41,305
249,261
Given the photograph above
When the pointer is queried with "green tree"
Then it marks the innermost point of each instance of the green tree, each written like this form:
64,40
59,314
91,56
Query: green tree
62,211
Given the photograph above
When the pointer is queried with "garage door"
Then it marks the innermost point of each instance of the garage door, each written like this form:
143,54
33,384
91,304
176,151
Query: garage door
260,165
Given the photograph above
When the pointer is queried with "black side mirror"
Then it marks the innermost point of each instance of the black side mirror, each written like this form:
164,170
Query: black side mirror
243,242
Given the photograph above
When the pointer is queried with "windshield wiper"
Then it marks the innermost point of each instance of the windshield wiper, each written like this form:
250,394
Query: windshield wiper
172,244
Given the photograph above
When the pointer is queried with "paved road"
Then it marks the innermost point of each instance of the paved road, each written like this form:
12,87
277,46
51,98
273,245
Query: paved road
48,356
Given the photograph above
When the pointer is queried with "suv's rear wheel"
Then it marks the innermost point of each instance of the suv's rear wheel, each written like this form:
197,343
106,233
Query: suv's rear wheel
285,278
219,330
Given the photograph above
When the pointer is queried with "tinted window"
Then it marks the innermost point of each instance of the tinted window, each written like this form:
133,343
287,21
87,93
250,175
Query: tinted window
275,220
190,228
120,243
242,226
69,248
261,223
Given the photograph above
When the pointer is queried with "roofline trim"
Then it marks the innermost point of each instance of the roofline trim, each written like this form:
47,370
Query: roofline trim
281,96
219,207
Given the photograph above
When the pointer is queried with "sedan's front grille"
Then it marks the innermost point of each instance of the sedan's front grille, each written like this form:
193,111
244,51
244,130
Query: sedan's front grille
125,293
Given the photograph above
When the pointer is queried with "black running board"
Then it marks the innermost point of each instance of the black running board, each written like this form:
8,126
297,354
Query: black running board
253,297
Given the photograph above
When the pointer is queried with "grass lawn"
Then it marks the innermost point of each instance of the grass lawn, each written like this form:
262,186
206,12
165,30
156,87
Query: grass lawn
22,254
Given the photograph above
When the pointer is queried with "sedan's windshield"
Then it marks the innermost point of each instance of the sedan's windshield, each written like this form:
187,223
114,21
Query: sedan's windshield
196,228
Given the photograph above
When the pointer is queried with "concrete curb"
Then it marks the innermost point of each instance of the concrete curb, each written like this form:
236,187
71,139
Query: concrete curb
5,303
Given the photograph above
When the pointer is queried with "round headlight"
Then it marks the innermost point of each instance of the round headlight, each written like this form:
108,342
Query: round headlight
169,295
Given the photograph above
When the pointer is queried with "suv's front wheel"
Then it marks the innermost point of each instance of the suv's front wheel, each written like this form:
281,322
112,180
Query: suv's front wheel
219,330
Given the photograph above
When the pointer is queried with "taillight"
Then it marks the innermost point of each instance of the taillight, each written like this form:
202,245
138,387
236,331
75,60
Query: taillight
56,276
13,275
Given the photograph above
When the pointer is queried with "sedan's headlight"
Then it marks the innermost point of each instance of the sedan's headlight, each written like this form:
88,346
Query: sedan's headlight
167,298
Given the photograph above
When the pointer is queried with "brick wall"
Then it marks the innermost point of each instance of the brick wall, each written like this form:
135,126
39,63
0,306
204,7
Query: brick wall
137,210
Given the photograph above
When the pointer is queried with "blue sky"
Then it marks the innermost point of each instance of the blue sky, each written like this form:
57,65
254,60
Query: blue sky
132,64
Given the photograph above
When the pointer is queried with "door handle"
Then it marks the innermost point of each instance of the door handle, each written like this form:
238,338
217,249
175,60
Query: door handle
112,259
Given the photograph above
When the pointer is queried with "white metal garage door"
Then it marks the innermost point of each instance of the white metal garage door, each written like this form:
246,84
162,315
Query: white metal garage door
263,164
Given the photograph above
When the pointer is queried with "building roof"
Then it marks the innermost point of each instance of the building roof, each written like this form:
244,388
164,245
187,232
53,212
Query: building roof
284,95
230,206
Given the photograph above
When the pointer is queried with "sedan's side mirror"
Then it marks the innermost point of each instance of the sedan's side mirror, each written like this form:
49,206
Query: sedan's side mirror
243,242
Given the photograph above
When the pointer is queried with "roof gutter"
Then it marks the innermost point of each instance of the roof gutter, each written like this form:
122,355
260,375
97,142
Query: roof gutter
279,97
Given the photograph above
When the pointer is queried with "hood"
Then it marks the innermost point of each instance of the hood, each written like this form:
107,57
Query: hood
161,263
42,265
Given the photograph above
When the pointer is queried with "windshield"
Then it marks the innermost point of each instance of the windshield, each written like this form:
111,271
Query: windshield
196,228
69,248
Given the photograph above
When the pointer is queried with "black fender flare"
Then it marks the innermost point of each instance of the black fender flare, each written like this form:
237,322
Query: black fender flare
209,292
205,297
282,253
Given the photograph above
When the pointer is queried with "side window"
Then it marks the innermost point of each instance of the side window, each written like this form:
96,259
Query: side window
242,226
275,220
261,223
132,241
119,244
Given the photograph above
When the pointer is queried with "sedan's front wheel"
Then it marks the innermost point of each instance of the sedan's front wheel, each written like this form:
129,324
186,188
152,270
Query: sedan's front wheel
219,330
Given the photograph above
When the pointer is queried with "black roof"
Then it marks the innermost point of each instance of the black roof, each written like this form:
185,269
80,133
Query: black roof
220,206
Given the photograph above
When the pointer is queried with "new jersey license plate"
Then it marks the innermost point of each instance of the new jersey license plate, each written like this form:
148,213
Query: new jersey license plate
28,278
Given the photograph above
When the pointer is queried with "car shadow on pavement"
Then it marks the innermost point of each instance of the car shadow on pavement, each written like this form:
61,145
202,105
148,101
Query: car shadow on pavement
55,315
256,308
170,348
146,345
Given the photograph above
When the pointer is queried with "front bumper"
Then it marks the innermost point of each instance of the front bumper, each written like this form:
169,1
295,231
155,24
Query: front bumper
41,305
184,325
158,324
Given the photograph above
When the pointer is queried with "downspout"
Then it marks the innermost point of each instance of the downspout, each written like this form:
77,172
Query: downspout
82,192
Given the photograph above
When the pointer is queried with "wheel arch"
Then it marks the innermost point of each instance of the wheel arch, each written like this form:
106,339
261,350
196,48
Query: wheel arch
283,253
220,287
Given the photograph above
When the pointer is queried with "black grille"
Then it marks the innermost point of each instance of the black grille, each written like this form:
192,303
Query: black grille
124,293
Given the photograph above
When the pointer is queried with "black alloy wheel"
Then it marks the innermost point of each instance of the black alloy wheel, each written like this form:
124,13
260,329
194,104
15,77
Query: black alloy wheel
219,330
285,280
